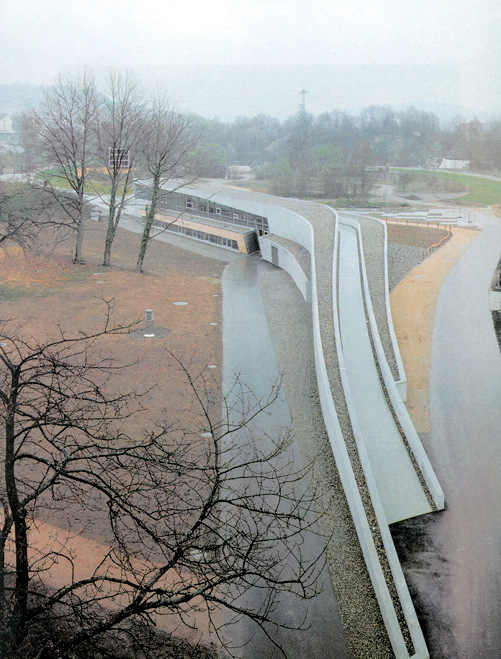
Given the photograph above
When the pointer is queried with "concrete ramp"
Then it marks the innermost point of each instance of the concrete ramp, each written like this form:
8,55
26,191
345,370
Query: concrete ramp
399,487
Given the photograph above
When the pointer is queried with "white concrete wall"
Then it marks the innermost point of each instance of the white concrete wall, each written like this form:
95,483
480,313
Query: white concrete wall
287,262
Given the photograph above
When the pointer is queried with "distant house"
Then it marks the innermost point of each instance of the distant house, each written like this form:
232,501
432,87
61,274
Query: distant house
238,171
454,164
5,124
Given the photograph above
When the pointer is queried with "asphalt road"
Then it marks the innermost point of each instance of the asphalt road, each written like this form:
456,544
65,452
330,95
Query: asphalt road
453,559
248,350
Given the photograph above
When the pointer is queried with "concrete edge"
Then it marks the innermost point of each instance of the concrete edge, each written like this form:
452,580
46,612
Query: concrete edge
402,378
374,566
344,465
395,398
287,262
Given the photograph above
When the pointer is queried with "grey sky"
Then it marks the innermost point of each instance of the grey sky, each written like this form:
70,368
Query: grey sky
227,57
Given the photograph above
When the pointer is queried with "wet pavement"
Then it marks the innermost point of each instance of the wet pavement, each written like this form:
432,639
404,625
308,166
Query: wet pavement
398,485
453,559
248,351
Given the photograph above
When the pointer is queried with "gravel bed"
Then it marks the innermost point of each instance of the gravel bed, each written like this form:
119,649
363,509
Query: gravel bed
373,241
291,332
401,260
366,632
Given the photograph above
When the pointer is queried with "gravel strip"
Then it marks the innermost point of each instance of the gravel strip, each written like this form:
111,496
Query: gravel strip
373,242
401,260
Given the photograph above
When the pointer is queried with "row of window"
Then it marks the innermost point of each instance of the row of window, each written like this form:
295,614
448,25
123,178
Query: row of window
178,201
200,235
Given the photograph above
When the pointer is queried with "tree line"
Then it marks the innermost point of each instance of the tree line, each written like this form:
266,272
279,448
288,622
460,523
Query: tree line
330,154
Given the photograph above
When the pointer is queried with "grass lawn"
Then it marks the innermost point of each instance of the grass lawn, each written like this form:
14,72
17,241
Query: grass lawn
93,186
482,190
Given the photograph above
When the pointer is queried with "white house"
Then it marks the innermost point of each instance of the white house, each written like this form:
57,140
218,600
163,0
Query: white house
5,123
447,163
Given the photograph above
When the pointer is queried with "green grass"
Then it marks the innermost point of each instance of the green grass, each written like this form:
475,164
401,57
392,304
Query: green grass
482,191
54,177
8,292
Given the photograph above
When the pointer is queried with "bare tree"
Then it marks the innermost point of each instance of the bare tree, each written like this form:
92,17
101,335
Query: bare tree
16,222
63,127
169,139
24,211
197,511
119,129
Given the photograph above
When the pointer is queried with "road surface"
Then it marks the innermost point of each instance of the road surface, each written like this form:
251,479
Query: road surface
454,564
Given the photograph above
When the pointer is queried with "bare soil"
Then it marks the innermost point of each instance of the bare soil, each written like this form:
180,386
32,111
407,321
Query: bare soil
413,303
42,290
415,236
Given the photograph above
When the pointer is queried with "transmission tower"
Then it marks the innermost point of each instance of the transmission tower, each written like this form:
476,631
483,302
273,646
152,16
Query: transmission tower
302,105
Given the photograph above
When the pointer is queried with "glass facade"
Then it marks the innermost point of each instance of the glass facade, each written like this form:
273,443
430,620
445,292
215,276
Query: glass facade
199,235
185,203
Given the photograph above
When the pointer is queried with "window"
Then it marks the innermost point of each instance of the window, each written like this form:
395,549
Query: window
118,158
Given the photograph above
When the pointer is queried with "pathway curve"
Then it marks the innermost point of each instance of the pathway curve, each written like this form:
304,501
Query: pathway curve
455,563
248,350
398,484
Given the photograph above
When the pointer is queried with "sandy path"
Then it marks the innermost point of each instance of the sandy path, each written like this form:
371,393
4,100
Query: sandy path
413,303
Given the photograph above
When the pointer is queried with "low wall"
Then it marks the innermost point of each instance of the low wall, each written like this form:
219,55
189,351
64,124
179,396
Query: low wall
343,463
392,389
287,262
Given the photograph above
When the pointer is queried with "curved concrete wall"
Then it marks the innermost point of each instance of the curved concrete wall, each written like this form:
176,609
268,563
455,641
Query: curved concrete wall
402,379
392,388
290,223
304,235
287,262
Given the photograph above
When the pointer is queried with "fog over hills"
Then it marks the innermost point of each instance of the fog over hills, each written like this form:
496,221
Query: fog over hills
229,91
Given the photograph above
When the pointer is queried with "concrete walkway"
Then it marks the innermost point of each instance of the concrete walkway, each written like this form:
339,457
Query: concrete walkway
399,487
452,560
465,446
248,350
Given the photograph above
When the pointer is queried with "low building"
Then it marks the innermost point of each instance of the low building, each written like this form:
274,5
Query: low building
185,211
448,163
210,231
5,124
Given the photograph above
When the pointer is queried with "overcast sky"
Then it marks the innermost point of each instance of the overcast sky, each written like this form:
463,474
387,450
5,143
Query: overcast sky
228,57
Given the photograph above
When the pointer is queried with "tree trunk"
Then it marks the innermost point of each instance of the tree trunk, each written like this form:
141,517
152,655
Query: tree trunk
78,258
110,233
20,609
150,216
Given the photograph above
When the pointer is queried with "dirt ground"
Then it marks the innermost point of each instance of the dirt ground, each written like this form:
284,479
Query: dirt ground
43,289
413,303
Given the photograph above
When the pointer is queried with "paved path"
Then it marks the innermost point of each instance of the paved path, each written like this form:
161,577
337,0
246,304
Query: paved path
248,349
399,487
465,441
454,566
